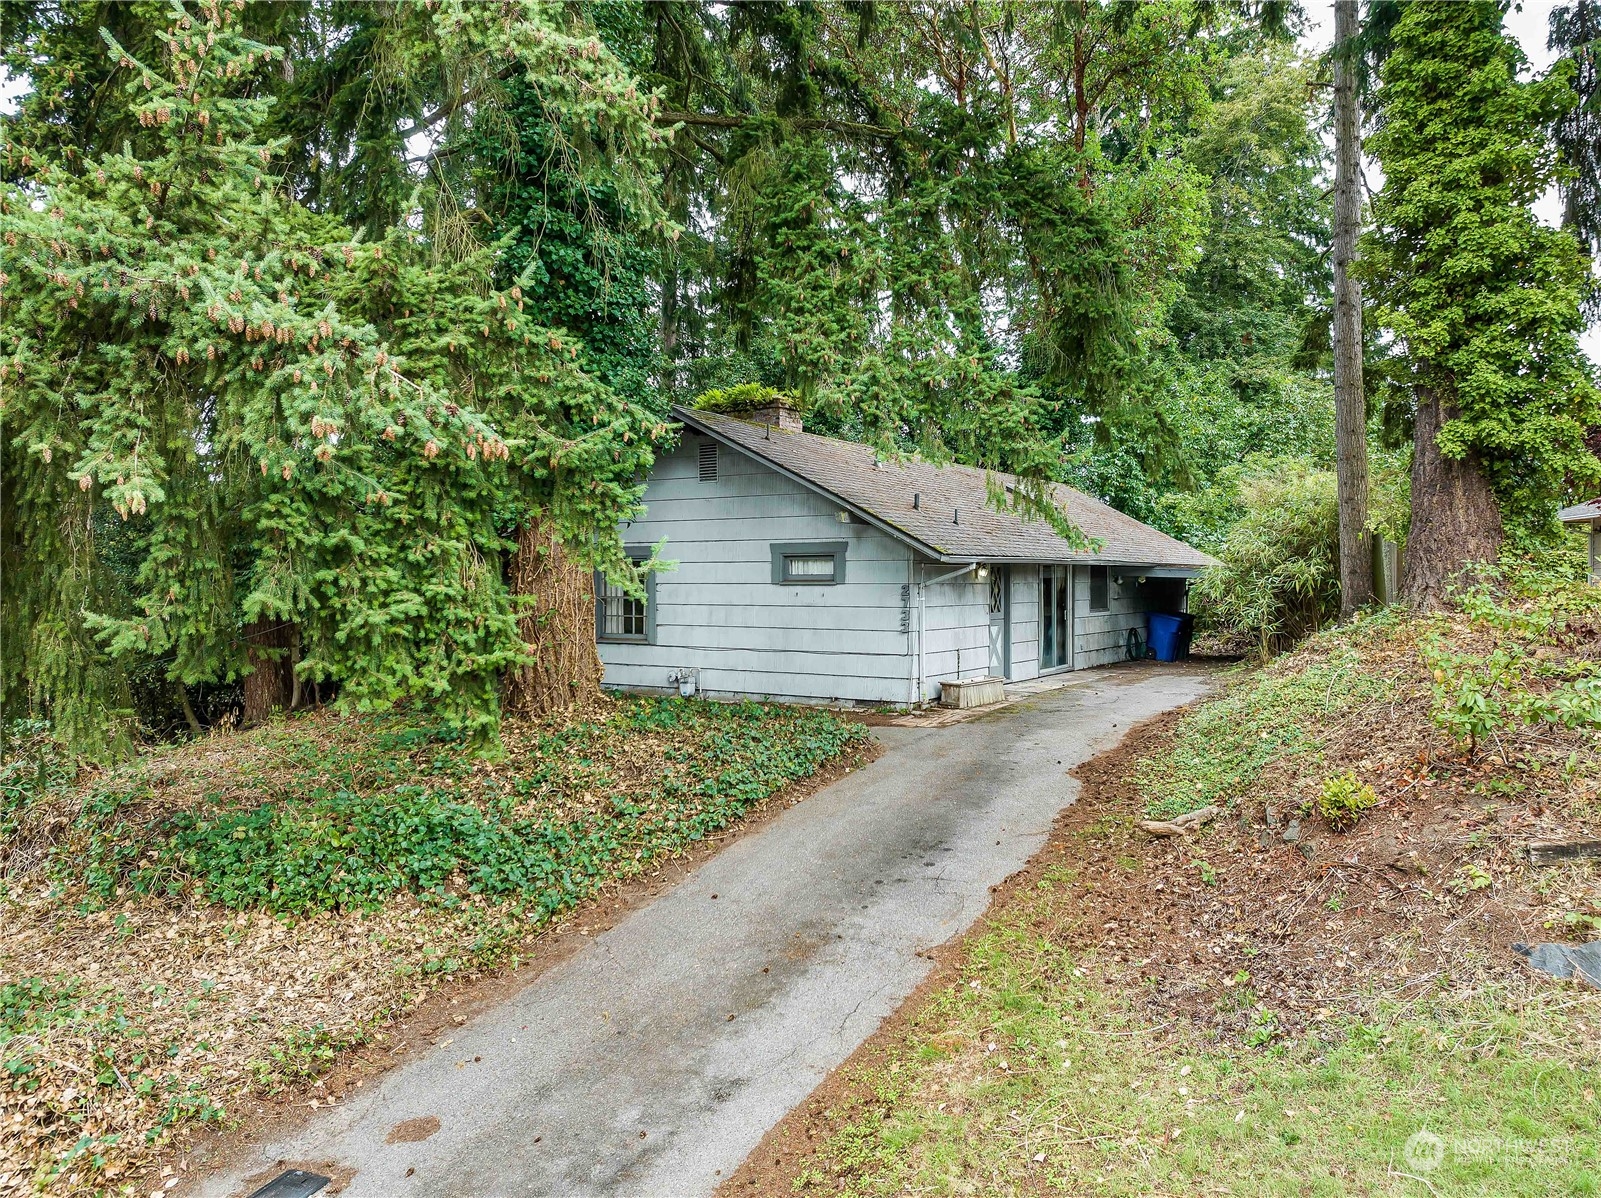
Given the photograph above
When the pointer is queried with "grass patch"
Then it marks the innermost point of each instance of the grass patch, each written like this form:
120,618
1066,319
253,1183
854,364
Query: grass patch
1032,1074
1267,717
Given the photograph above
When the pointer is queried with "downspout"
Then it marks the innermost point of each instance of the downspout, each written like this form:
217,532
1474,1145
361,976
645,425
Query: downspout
912,632
918,702
922,583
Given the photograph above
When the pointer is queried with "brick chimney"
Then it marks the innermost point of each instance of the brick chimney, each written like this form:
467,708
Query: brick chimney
777,413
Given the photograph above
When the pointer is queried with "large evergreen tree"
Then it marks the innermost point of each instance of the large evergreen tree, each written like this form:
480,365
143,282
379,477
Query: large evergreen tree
1484,299
1576,34
1350,397
916,224
319,441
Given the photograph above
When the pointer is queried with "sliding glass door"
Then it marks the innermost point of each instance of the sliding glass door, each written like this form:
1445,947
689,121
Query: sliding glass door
1056,617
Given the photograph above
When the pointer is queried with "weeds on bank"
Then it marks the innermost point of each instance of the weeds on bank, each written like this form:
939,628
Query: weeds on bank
1267,717
1032,1073
1518,657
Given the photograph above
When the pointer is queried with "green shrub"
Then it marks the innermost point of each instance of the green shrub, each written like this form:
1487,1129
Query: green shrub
1274,525
1538,612
1343,800
1279,578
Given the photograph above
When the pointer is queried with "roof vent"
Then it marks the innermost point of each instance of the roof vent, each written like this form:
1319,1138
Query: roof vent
917,501
956,515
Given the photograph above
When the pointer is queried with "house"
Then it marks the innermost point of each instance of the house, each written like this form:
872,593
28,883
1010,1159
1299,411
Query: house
810,569
1587,516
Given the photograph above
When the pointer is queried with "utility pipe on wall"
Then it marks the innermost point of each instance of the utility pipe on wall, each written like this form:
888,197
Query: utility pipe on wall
922,583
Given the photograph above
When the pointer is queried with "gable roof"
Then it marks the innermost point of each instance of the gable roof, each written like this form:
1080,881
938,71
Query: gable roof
952,521
1581,513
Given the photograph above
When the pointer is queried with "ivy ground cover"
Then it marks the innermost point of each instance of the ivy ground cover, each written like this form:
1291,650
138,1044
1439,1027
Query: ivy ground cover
224,918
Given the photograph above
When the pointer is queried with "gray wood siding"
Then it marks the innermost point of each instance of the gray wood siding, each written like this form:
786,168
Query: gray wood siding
718,611
1025,622
1100,638
955,627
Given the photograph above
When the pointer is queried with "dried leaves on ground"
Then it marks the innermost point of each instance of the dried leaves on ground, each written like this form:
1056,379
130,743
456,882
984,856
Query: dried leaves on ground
223,918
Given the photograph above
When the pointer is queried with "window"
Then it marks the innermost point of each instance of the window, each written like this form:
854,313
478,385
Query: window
817,563
997,593
621,617
708,461
809,567
1100,589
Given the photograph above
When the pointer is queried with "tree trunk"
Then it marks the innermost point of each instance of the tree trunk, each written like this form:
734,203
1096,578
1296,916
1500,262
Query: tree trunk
188,709
268,686
1350,404
1455,520
669,327
557,623
295,689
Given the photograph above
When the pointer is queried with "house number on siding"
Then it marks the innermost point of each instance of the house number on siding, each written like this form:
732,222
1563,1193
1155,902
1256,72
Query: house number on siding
906,607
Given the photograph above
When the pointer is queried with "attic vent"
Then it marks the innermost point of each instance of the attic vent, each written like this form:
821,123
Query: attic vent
708,461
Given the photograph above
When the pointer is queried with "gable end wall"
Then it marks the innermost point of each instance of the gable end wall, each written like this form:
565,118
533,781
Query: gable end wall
720,612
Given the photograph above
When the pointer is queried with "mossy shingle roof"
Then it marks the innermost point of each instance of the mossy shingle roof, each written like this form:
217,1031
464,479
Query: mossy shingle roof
942,509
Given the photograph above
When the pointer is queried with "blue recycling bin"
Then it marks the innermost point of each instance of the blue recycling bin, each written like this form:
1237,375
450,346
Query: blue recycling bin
1165,633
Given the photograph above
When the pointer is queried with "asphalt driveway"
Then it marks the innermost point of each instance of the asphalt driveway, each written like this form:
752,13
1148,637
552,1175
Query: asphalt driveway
654,1059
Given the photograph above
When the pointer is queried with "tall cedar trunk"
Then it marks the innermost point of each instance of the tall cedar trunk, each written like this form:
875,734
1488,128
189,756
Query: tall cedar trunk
1455,520
557,624
269,684
1350,405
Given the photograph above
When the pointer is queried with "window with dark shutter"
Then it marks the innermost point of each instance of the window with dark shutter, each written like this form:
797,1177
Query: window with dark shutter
708,461
811,563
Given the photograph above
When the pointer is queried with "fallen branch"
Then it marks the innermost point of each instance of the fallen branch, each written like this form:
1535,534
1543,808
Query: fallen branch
1180,825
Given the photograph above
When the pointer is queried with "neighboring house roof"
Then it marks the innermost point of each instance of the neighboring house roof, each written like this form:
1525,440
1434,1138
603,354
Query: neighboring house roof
1581,513
952,521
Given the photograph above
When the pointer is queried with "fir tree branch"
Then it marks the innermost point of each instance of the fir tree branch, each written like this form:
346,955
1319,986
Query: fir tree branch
717,121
